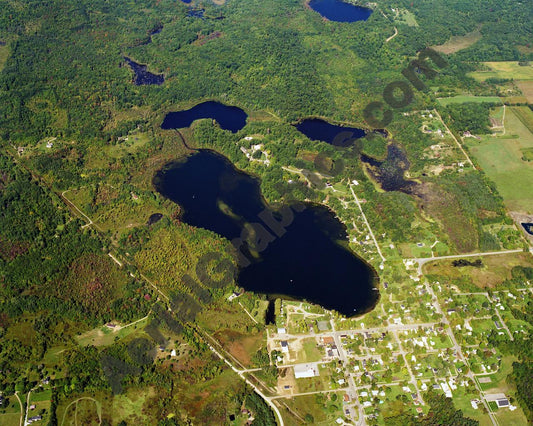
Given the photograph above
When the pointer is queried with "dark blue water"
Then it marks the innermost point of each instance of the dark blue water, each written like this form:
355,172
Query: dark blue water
196,13
306,262
142,76
320,130
228,117
339,11
528,227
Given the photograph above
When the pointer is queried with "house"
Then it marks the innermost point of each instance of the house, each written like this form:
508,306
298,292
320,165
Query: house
32,407
328,340
285,346
302,371
502,402
34,419
282,330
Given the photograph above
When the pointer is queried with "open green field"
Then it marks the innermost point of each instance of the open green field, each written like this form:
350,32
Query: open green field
525,115
406,17
11,419
511,418
501,159
507,69
457,43
104,336
461,99
322,408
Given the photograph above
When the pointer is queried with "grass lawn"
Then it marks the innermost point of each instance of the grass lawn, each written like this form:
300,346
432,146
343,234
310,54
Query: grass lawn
104,336
499,379
461,99
501,159
11,419
506,69
310,352
41,396
461,401
511,418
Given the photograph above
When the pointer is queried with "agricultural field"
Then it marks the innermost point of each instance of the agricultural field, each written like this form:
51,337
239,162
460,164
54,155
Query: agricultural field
461,99
457,43
527,90
504,70
501,158
494,270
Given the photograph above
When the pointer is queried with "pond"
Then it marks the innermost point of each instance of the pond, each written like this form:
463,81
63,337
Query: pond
528,228
228,117
390,172
320,130
310,261
142,76
339,11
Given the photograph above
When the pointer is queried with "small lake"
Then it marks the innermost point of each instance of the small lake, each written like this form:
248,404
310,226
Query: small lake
228,117
320,130
310,261
339,11
142,76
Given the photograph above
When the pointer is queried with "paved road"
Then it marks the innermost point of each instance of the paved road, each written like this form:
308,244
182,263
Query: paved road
457,348
242,376
454,138
367,224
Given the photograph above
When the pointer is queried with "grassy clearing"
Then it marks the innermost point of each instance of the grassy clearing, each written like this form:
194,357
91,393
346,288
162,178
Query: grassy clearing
41,396
104,336
525,115
461,99
309,352
496,269
511,418
323,410
501,159
457,43
507,69
406,17
129,406
527,90
11,419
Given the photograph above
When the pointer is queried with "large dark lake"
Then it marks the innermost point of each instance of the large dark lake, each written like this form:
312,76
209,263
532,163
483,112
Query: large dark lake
320,130
339,11
228,117
310,261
